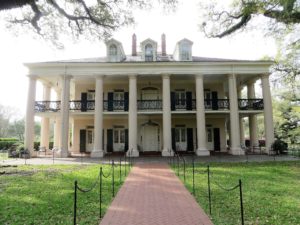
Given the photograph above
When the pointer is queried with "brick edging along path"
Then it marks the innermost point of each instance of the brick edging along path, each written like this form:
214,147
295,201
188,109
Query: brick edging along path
152,194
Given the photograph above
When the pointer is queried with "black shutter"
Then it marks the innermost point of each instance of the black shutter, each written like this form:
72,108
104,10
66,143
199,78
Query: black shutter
126,140
109,140
126,101
189,100
217,144
173,101
110,101
103,139
190,139
173,139
214,96
83,102
196,139
82,140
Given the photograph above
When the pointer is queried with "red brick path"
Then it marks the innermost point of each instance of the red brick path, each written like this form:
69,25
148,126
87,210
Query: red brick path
152,194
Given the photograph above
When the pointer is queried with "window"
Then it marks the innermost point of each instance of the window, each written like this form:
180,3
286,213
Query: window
113,50
180,134
91,95
119,136
209,135
180,98
90,137
185,52
148,52
118,100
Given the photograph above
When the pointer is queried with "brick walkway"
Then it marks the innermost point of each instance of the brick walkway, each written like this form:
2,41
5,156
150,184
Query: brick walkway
152,194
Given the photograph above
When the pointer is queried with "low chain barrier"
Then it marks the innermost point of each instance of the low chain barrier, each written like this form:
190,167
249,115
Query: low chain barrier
179,163
127,163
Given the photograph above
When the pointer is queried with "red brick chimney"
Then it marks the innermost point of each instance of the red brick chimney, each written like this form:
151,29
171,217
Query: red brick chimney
163,45
134,45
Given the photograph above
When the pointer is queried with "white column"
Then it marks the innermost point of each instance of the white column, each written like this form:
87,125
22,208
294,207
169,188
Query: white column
29,120
200,117
45,122
241,121
167,141
98,119
64,112
132,118
235,146
252,117
268,113
57,126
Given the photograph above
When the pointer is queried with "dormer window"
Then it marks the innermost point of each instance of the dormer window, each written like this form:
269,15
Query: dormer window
185,52
148,52
114,51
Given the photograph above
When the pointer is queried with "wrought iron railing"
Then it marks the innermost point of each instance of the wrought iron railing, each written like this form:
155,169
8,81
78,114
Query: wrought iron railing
216,104
84,106
47,106
185,104
115,105
149,104
251,104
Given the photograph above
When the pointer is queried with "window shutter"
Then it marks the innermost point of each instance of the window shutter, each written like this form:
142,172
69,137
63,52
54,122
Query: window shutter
110,101
82,140
109,140
126,140
126,101
190,139
214,96
83,102
173,139
189,101
173,101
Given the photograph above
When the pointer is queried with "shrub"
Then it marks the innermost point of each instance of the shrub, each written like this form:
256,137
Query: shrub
9,139
280,146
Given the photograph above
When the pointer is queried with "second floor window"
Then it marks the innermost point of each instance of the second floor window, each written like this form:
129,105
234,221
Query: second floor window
148,52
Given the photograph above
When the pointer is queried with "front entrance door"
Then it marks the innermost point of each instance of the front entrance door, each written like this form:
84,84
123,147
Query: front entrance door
119,139
180,138
150,137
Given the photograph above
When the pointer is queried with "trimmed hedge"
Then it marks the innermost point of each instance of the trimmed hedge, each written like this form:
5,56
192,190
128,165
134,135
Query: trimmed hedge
7,144
9,139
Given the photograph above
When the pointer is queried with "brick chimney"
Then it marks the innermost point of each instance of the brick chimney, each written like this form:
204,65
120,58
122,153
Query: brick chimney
134,45
163,45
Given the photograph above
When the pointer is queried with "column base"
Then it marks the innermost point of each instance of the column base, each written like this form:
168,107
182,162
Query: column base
202,152
132,153
33,154
62,154
167,153
97,154
236,151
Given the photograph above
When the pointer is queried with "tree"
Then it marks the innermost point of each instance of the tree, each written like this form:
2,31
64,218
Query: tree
92,18
279,18
6,115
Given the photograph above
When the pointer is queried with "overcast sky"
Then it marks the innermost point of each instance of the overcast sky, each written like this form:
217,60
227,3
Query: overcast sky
184,23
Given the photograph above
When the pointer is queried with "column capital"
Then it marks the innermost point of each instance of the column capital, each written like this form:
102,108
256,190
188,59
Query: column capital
265,76
231,76
132,76
251,82
32,76
98,77
165,76
199,75
66,77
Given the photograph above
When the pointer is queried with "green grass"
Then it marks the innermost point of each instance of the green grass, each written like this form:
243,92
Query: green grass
3,155
45,194
271,192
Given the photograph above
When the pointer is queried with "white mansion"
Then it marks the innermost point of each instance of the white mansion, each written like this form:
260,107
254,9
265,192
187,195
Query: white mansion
148,101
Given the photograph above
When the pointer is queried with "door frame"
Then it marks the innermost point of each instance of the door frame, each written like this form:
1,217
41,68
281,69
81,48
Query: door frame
150,123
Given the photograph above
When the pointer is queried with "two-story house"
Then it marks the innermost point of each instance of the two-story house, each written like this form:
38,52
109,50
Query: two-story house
148,101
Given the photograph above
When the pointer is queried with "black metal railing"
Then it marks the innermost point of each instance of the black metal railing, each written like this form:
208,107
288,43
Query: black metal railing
88,105
115,105
251,104
184,104
149,104
216,104
47,106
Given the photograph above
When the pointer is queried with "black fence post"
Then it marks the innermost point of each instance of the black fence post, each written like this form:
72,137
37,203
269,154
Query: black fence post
183,169
125,165
193,164
241,201
113,178
178,166
209,191
75,201
100,192
120,170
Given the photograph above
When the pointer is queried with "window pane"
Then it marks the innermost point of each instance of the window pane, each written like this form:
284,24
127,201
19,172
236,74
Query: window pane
209,135
90,137
148,52
116,136
113,50
122,136
183,135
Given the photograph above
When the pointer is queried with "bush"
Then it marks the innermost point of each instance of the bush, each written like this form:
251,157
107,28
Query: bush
6,144
280,146
9,139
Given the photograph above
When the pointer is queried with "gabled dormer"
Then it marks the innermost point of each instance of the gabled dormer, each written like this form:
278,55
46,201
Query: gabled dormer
149,50
183,50
114,51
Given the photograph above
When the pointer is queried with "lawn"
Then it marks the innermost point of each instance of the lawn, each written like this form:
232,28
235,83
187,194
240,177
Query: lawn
45,194
271,192
3,155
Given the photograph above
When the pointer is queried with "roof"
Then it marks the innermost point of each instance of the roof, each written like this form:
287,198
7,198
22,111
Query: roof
160,58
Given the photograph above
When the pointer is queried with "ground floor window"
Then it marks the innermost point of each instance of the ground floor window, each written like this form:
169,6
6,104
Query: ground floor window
119,135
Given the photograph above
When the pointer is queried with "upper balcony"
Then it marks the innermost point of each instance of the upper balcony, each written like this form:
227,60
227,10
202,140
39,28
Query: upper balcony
149,105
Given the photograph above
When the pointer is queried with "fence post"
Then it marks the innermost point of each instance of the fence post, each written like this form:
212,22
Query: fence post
193,164
125,165
120,169
183,169
75,201
177,165
113,178
100,192
209,192
241,201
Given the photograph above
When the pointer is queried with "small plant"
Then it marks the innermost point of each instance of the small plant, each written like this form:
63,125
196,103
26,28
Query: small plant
279,146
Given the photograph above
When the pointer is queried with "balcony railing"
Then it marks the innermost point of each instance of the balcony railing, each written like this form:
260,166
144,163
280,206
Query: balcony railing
251,104
149,104
216,104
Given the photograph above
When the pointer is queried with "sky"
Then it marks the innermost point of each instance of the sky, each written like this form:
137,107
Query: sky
183,23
